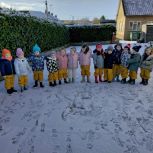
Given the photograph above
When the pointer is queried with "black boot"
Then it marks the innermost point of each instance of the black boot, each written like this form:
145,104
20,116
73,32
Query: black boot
123,81
132,82
36,84
60,82
41,85
142,82
65,81
145,82
25,88
51,84
9,91
13,90
55,83
129,81
21,89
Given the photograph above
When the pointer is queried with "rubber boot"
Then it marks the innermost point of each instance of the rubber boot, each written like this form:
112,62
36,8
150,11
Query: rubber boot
123,81
88,79
65,81
9,91
142,82
96,79
117,78
41,85
55,83
132,82
60,82
83,79
145,82
100,79
36,84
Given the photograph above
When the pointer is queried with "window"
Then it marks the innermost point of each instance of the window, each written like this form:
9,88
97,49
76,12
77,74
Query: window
135,25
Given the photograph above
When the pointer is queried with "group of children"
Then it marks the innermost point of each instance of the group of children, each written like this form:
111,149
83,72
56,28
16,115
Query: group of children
113,63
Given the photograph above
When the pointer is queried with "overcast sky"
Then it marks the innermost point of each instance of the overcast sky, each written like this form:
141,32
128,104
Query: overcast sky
68,9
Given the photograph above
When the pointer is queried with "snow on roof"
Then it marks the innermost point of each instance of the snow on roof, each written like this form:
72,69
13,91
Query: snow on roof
138,7
37,14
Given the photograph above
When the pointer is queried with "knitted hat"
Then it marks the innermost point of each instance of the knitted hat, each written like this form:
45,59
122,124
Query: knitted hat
127,47
36,48
6,54
99,46
118,45
19,52
136,48
109,48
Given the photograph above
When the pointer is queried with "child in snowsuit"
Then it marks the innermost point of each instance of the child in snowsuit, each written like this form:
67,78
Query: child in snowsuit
124,65
146,65
117,61
37,62
52,67
98,59
22,68
85,60
108,65
63,63
134,63
72,64
7,70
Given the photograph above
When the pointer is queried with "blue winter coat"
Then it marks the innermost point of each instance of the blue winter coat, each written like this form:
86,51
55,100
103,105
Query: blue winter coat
7,67
37,62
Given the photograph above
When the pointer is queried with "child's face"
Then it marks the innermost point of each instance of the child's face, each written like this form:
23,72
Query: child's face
132,51
118,47
109,51
37,53
7,55
126,50
148,51
53,56
63,52
99,49
21,56
72,51
84,49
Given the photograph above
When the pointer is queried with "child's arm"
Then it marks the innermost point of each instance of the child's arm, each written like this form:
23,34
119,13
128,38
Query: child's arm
148,62
28,66
134,60
16,65
2,69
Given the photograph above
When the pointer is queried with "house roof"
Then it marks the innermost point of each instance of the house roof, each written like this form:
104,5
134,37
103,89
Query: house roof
138,7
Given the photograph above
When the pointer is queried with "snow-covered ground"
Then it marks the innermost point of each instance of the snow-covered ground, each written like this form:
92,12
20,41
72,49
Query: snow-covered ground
78,118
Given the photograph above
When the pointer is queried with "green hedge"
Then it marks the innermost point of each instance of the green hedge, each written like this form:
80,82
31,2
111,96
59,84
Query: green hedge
91,33
24,32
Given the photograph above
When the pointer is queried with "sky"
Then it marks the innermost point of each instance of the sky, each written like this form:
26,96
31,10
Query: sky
68,9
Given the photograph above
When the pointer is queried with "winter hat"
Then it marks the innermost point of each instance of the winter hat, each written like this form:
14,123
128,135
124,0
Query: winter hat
53,53
99,46
6,54
136,48
127,47
109,48
36,48
19,52
118,45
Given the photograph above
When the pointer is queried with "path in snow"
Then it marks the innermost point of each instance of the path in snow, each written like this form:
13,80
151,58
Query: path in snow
78,118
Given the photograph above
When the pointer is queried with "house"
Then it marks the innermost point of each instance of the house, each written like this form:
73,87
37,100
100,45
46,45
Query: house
131,16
